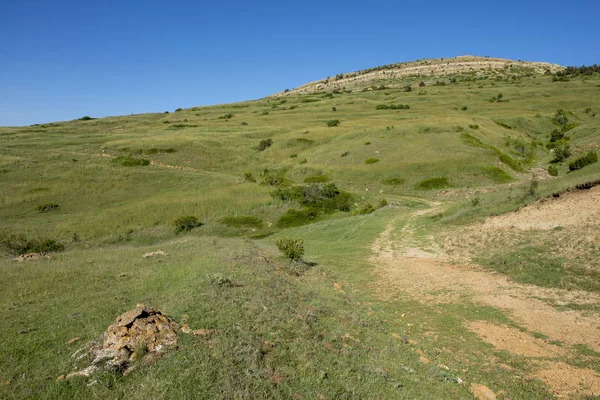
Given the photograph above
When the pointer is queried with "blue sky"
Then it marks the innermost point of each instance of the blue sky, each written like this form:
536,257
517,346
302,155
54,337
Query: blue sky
61,60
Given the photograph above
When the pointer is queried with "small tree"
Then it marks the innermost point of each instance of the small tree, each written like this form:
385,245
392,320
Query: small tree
291,248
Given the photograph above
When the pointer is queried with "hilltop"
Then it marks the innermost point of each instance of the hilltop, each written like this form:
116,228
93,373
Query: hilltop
419,230
434,68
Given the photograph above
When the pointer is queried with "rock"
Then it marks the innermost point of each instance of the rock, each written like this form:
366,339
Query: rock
155,253
185,328
203,332
482,392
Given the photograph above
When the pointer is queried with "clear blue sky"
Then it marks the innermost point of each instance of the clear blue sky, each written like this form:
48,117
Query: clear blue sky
64,59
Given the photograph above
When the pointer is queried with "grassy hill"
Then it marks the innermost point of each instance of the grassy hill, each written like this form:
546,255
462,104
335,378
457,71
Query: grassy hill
314,164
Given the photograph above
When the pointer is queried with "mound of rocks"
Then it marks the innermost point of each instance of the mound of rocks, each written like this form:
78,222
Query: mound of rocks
142,332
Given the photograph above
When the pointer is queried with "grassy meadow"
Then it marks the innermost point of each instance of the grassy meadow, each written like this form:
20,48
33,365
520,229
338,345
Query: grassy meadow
311,330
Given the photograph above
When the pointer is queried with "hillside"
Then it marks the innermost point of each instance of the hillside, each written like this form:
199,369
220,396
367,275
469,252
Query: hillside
450,247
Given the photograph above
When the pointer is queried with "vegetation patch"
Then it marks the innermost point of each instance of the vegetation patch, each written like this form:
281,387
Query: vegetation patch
393,181
496,174
325,197
43,208
264,144
371,160
333,122
129,161
392,107
316,179
582,161
17,244
186,223
433,183
294,217
176,127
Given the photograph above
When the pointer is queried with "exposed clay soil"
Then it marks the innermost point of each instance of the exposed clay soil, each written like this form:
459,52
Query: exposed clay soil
411,268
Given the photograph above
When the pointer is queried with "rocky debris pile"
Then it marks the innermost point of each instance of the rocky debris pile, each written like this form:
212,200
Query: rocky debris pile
32,257
136,334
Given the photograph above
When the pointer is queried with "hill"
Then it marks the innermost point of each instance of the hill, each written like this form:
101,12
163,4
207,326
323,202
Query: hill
390,176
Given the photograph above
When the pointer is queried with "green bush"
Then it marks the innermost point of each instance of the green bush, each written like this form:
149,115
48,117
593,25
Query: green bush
186,223
316,179
371,160
582,161
264,144
86,118
464,108
48,207
474,127
226,116
552,170
383,203
326,197
242,221
346,153
291,248
433,183
421,84
333,122
561,152
20,244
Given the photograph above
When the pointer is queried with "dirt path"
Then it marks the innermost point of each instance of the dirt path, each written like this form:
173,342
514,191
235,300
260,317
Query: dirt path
411,266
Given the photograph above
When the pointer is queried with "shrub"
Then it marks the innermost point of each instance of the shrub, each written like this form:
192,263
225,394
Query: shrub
86,118
333,108
552,170
242,221
326,197
48,207
244,123
264,144
421,84
186,223
371,160
393,181
383,203
226,116
316,179
333,122
179,109
291,248
346,153
408,88
19,244
581,162
433,183
474,127
464,108
561,152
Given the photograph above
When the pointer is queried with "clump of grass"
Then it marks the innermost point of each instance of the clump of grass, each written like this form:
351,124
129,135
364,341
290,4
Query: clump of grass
186,223
371,160
433,183
346,153
366,209
392,107
552,170
243,221
290,247
264,144
48,207
316,179
393,181
226,116
248,177
333,122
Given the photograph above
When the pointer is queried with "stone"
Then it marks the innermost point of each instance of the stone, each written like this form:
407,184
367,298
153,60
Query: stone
154,253
203,332
482,392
